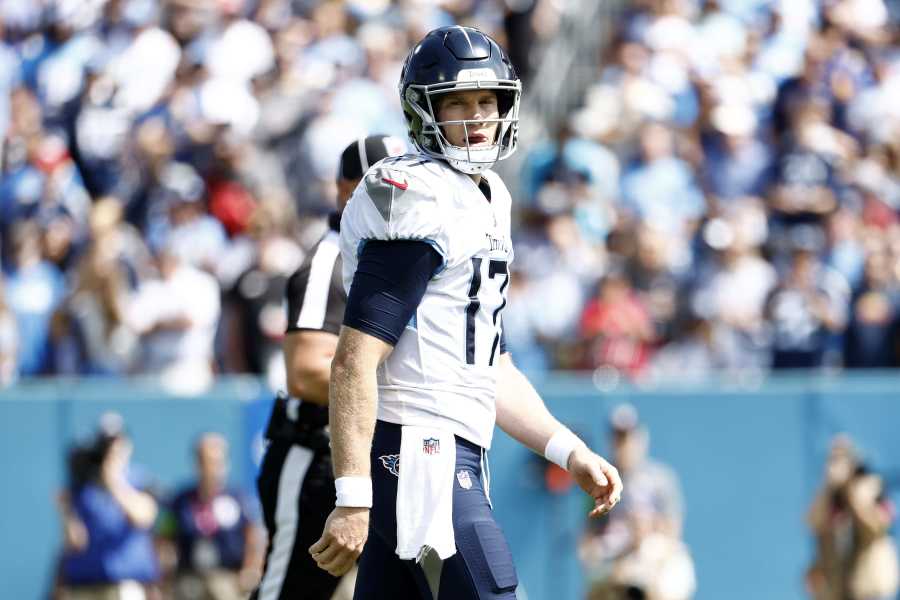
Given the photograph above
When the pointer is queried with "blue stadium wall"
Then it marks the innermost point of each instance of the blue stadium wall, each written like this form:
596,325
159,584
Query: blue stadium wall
749,456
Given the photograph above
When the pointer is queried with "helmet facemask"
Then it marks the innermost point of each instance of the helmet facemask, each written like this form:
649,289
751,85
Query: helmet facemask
419,104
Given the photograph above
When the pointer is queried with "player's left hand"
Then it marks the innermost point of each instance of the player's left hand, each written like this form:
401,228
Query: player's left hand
596,477
342,541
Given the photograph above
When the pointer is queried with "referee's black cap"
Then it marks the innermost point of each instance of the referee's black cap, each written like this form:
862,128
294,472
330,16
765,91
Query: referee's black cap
365,152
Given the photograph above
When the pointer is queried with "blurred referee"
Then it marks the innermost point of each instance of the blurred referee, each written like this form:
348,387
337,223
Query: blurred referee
296,483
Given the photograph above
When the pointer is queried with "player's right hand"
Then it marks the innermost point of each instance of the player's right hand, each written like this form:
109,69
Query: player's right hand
342,541
596,477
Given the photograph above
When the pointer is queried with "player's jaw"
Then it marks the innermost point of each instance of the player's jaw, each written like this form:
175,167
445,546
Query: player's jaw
473,134
469,106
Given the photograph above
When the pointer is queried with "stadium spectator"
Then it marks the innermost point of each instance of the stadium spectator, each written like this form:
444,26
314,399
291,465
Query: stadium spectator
845,252
700,348
807,179
737,162
214,530
655,566
176,315
657,278
856,558
141,188
521,324
733,285
807,84
559,261
871,108
659,187
238,49
34,289
571,153
616,327
189,231
256,297
637,547
121,240
238,177
9,340
106,520
805,308
625,96
872,339
90,335
39,178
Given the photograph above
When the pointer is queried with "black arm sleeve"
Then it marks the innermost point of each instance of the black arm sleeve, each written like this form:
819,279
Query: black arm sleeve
388,285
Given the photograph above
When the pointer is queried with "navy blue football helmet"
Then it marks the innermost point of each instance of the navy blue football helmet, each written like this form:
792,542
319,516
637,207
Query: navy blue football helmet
452,59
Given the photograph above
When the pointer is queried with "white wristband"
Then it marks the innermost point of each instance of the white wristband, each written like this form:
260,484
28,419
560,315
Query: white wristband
353,492
560,447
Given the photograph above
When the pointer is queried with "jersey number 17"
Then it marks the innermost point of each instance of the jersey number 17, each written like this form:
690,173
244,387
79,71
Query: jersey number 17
495,284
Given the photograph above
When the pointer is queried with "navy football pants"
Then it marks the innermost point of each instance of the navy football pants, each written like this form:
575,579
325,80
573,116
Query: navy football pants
481,569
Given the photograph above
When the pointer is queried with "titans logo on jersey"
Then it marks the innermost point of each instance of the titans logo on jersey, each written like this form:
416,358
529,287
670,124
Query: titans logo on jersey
441,370
391,462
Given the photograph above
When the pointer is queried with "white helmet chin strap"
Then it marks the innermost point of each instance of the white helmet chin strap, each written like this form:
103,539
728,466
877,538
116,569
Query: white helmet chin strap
471,160
467,159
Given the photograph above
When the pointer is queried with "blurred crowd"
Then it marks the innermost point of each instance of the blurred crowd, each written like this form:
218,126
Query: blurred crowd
167,163
726,196
122,537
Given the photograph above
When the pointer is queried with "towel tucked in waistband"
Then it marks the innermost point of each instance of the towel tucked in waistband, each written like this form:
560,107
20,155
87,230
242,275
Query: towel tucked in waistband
425,493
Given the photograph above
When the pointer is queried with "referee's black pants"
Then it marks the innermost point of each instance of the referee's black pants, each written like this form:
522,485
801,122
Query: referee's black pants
296,490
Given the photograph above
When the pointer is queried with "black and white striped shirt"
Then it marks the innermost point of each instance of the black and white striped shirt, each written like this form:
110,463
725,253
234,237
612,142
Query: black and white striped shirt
315,293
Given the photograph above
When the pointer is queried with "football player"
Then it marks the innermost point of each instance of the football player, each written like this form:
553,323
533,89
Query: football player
296,484
421,374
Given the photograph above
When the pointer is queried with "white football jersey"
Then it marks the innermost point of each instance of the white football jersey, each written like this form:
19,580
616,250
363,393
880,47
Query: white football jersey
441,372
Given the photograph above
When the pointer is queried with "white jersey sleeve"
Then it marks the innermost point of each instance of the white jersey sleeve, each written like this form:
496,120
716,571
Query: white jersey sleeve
397,199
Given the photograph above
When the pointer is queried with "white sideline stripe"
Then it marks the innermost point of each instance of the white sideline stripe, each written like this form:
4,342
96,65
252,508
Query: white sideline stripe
315,299
293,472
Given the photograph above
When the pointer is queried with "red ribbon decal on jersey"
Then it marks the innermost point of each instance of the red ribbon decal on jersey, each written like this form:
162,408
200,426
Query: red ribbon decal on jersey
402,186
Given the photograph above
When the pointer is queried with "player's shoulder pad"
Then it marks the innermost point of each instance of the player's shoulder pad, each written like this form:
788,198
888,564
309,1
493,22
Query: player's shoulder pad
399,198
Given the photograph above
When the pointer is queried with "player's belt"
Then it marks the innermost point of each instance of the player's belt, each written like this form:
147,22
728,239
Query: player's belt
298,422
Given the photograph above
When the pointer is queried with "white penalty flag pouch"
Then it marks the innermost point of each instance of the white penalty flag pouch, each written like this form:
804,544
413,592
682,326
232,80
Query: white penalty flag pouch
425,493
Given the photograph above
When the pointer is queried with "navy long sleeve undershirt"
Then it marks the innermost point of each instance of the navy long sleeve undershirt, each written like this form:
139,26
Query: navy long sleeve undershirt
388,285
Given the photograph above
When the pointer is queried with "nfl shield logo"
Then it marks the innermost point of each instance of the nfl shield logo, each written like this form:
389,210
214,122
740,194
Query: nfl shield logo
464,479
431,446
